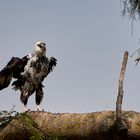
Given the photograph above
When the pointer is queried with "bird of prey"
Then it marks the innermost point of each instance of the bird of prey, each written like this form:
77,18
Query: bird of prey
29,73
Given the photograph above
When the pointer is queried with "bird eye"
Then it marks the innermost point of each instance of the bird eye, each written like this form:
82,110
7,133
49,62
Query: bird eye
39,45
44,44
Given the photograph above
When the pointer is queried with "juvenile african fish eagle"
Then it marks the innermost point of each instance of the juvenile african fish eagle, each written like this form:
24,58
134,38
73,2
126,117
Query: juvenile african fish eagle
29,73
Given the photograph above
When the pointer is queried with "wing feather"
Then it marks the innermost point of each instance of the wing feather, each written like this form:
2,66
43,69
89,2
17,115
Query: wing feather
5,78
12,70
52,64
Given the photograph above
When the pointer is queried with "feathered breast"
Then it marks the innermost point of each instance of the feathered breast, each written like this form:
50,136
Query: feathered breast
36,69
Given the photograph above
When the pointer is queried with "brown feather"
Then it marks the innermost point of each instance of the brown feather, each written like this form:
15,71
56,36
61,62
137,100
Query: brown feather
12,69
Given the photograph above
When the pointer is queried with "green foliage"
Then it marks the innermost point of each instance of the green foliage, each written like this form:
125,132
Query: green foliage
6,117
38,136
26,119
35,133
32,130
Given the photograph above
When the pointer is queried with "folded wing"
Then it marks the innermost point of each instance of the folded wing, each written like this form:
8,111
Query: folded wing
52,64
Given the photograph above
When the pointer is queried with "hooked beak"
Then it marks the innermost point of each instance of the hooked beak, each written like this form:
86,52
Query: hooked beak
42,47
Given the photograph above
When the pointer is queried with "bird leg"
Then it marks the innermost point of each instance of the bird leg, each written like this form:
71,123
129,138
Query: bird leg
38,97
24,99
38,108
25,109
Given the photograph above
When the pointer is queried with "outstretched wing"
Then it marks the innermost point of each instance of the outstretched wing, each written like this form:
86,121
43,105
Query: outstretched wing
12,70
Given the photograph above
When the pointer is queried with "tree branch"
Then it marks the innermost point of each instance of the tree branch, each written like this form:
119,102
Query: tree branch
120,88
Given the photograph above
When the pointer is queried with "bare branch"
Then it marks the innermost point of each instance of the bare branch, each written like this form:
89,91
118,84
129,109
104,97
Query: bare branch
120,88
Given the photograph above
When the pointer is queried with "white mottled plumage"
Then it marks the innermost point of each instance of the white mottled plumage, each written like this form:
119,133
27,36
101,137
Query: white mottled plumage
30,72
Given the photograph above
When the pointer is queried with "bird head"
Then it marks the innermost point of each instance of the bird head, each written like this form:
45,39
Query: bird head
40,48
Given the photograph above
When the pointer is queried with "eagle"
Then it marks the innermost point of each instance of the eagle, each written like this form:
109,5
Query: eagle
29,73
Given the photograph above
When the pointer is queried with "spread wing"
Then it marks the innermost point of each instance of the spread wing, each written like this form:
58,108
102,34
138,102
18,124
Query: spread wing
13,69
